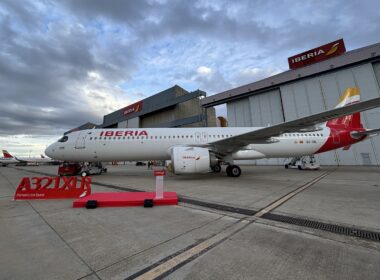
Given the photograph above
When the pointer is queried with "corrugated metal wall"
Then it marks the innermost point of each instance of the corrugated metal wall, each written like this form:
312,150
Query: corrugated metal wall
310,96
258,110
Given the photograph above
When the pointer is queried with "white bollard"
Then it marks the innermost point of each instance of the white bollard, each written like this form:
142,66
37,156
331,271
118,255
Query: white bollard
159,183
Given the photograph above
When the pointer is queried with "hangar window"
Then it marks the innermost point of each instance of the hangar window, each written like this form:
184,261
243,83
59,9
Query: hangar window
63,139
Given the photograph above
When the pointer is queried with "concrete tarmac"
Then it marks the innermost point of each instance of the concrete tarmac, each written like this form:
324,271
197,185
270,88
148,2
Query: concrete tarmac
48,239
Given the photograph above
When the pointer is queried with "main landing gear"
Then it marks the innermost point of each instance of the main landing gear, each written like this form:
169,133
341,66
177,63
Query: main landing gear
233,171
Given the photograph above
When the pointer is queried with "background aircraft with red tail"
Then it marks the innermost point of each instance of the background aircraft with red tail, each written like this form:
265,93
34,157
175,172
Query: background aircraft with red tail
10,159
204,149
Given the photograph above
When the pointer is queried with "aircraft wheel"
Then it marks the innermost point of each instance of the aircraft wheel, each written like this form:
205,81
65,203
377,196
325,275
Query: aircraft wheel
233,171
84,174
228,170
299,167
286,166
216,168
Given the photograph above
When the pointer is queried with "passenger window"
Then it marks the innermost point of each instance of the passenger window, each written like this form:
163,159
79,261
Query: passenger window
90,138
119,138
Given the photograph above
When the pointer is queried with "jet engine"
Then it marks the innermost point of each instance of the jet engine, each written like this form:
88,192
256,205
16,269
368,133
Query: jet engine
186,160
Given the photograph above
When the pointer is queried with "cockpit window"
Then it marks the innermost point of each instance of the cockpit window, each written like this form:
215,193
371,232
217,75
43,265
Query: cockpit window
63,139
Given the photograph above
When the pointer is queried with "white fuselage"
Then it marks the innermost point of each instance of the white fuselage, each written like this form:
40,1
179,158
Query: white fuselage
156,143
5,161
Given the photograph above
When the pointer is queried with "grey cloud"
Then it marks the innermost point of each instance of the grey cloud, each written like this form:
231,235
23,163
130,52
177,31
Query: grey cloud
45,61
212,83
47,68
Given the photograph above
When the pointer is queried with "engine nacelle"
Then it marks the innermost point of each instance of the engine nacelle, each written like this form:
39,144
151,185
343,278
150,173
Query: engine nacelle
187,160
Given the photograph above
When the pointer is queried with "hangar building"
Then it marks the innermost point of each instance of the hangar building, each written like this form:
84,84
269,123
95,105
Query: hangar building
173,107
310,87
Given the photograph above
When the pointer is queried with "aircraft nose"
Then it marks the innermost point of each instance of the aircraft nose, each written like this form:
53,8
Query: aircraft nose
49,151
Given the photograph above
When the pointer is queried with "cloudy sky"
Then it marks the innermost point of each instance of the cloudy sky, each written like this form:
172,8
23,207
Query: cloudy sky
63,63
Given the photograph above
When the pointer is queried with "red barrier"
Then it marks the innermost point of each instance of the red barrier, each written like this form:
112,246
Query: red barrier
53,188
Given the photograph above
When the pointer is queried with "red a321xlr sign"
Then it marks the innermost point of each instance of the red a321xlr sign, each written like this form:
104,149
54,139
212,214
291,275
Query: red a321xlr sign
318,54
53,188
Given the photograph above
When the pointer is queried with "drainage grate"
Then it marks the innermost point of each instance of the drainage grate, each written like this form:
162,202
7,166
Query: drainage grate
365,234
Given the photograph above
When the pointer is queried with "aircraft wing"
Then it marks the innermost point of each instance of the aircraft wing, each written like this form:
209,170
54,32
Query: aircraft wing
19,159
305,124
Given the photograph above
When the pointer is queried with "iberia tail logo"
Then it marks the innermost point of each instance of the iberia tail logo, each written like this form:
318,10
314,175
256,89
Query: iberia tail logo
333,49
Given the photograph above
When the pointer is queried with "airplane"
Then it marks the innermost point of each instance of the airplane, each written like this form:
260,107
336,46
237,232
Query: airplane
204,149
8,158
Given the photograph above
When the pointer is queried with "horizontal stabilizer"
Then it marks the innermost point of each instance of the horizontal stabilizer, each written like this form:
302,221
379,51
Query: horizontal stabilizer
369,132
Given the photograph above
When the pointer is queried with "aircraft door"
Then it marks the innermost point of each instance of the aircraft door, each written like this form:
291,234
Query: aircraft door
201,137
204,137
198,137
81,140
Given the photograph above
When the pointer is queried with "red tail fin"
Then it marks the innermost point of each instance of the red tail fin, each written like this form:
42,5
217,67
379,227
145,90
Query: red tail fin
349,96
6,154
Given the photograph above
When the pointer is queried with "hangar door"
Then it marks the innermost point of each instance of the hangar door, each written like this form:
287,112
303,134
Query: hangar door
257,111
314,95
